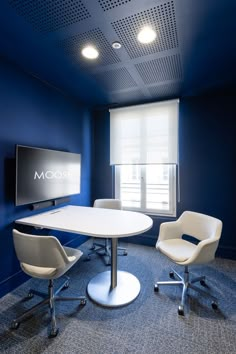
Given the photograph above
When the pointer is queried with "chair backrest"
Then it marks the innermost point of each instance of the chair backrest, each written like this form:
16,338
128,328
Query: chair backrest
108,204
40,251
200,226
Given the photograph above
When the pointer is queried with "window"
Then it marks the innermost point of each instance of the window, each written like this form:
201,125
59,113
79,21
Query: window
144,150
147,188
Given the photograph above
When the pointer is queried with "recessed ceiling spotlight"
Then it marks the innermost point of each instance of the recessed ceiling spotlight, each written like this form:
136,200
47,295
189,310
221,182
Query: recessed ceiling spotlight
146,35
116,45
90,52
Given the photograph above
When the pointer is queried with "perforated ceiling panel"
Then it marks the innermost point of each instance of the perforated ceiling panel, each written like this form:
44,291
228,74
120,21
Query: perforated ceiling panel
51,15
73,46
127,96
166,90
115,80
161,18
190,34
112,4
161,69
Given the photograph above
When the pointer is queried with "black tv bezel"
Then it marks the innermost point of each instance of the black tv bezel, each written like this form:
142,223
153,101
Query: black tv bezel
53,200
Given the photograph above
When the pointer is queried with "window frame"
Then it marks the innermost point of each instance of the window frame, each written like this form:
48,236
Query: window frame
171,212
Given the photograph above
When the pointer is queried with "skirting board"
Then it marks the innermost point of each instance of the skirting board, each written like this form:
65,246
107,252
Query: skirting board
146,240
150,240
226,252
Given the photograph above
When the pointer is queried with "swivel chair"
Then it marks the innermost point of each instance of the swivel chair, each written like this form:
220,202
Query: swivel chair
204,228
97,247
44,257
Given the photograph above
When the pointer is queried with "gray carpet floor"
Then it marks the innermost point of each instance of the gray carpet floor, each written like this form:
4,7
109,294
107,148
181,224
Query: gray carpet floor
148,325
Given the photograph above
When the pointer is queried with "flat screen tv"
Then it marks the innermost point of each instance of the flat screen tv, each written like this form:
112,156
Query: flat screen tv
43,174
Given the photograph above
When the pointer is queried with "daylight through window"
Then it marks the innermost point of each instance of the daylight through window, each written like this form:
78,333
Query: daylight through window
144,150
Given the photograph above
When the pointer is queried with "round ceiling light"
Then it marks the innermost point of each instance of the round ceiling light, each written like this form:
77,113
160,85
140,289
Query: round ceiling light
90,52
116,45
146,35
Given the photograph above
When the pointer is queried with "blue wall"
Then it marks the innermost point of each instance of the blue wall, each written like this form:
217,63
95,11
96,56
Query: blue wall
36,115
206,136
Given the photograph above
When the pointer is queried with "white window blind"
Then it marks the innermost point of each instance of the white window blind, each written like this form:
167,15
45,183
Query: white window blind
145,134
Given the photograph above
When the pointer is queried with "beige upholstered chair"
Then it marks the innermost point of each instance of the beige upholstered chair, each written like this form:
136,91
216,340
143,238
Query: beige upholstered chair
204,228
45,258
105,248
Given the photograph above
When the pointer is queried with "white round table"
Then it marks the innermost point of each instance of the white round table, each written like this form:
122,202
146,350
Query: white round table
111,288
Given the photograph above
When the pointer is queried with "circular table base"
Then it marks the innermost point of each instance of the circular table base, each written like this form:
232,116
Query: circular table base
127,289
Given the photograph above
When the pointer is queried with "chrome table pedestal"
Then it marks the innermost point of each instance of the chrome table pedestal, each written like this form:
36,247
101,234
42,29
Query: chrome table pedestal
113,288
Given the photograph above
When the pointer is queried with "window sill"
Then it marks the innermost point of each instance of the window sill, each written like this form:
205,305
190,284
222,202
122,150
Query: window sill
152,214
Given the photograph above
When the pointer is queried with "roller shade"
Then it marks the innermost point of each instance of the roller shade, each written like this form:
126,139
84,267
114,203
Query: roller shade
145,134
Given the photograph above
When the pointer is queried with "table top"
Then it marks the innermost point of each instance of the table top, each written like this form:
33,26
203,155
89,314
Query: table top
97,222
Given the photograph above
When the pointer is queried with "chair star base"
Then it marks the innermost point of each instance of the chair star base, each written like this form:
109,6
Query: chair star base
49,299
184,281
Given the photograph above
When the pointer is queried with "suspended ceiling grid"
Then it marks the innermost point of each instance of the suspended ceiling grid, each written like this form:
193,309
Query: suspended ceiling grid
185,59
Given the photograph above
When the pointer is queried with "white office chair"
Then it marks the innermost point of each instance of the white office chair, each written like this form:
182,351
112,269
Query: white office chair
105,248
45,258
204,228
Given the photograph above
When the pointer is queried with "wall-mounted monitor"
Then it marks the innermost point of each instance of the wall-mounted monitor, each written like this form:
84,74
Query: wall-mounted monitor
43,174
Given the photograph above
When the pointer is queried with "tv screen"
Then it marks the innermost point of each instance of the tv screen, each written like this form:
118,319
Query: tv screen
43,174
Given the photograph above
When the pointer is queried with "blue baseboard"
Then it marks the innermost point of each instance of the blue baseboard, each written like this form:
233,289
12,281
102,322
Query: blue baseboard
76,242
12,282
150,240
226,252
20,277
146,240
9,284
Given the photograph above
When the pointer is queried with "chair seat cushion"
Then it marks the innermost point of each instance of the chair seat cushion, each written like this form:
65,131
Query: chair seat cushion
38,272
177,249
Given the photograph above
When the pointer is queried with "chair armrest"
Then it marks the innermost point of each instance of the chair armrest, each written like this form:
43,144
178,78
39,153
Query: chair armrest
204,253
72,253
169,230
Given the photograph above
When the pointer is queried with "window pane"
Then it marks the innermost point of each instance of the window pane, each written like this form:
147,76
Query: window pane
147,188
130,186
157,187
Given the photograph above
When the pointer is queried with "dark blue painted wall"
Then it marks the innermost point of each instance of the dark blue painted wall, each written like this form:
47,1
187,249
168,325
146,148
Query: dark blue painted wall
36,115
207,157
206,136
102,181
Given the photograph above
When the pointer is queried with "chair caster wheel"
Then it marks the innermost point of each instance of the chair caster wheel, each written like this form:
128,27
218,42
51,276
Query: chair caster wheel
181,311
66,285
83,302
87,259
125,254
214,305
92,248
172,275
53,333
30,295
15,325
156,288
202,282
